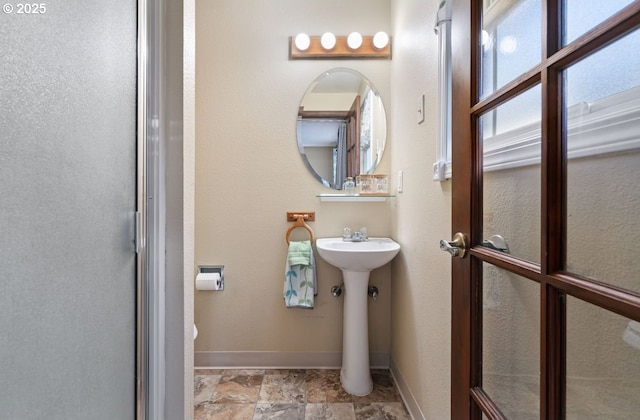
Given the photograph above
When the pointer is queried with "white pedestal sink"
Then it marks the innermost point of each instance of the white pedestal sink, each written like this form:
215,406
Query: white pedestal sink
356,260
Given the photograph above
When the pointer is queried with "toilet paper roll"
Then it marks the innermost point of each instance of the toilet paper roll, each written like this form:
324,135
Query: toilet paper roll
208,281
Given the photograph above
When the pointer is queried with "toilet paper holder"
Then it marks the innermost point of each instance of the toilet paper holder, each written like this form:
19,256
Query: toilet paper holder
214,269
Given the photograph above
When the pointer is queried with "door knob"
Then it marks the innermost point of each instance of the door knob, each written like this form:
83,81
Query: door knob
457,248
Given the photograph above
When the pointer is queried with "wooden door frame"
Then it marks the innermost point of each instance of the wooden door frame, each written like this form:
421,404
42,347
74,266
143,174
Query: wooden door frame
467,397
353,138
463,369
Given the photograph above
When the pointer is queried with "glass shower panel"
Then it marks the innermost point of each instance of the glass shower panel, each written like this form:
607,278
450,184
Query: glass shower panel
603,363
68,195
603,192
511,179
510,342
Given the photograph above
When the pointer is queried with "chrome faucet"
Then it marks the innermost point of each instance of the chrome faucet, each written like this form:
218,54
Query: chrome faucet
357,236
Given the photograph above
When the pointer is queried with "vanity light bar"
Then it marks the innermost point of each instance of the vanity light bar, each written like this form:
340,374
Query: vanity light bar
341,49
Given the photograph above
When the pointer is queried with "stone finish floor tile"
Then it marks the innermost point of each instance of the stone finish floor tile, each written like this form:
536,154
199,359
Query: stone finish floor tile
279,411
330,411
384,389
324,386
212,411
243,372
291,394
283,388
203,387
206,371
381,411
238,389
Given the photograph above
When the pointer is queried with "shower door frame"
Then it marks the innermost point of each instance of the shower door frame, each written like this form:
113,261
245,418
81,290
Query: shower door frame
142,342
150,373
161,373
140,218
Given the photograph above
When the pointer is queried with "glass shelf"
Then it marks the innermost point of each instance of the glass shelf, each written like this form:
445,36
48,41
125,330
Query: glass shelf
354,197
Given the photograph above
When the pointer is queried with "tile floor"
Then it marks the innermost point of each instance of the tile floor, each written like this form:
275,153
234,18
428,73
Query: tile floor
294,394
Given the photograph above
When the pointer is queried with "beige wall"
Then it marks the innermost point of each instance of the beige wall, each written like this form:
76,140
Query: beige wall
249,174
421,296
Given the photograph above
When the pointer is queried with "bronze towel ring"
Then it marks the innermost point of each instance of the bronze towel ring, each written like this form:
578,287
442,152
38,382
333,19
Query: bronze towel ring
299,223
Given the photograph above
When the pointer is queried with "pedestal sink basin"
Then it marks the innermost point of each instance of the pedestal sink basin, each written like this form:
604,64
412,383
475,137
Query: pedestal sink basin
356,260
357,256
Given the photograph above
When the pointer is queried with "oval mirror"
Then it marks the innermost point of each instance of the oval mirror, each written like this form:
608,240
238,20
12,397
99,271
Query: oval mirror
341,127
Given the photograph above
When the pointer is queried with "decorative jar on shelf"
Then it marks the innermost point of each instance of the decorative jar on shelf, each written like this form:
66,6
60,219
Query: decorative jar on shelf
349,187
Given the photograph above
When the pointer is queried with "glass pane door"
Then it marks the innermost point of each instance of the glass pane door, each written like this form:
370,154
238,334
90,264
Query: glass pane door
603,170
510,342
546,191
603,197
603,363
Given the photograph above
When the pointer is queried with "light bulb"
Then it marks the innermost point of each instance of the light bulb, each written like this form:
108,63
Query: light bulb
328,40
354,40
380,40
302,42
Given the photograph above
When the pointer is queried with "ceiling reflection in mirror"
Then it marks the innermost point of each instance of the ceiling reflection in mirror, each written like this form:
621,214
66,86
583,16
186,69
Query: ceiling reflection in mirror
341,127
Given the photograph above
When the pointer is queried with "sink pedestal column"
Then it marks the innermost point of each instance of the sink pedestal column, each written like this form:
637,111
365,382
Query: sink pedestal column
355,375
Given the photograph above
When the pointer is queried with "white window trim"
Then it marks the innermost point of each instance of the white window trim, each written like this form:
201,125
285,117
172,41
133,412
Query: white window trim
442,28
606,126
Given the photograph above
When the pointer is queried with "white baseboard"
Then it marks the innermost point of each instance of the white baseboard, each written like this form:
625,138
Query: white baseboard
406,394
280,360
